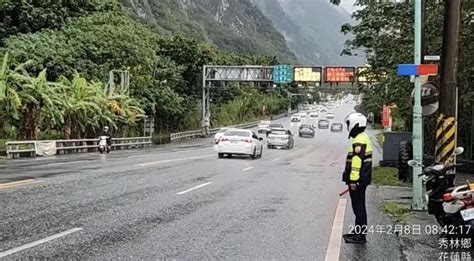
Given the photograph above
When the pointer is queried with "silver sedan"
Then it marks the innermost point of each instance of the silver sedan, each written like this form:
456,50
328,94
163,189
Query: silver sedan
280,138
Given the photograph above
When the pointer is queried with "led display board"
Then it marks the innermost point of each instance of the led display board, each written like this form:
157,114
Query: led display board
307,74
339,74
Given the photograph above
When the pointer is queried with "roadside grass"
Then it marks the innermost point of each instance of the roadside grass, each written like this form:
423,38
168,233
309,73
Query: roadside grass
384,176
398,211
380,138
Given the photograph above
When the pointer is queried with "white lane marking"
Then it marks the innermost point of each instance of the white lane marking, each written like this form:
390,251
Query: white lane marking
69,162
194,188
38,242
166,153
277,159
334,247
172,160
249,168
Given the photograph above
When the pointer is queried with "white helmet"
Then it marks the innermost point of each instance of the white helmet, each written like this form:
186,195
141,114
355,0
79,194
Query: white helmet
354,119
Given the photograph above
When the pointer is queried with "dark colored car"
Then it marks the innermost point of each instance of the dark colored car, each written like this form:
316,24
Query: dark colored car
323,124
307,130
336,127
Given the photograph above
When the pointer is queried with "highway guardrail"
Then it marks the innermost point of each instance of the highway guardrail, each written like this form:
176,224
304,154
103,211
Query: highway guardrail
19,149
187,135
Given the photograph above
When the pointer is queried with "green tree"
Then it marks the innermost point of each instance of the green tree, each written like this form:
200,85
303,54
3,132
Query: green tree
384,31
29,16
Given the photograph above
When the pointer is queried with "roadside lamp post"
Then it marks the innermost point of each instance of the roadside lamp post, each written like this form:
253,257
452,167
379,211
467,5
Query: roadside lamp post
417,202
290,95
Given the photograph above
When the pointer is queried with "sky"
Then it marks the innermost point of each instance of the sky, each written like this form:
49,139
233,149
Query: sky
348,5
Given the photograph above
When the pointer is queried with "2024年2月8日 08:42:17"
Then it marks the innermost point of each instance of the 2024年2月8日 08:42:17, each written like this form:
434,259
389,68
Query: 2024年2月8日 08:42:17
413,229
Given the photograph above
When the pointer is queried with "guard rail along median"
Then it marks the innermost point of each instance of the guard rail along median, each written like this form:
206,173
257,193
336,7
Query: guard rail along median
19,149
186,135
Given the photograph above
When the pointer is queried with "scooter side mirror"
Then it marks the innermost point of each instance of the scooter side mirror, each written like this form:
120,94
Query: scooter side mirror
458,151
412,163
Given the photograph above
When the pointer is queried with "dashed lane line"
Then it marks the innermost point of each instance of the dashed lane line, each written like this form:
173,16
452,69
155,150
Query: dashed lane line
38,242
194,188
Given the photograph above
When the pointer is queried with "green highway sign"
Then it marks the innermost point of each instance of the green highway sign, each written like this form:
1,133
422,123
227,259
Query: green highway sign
283,73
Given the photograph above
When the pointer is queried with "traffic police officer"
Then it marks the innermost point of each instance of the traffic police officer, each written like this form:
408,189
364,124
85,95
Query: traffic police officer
357,174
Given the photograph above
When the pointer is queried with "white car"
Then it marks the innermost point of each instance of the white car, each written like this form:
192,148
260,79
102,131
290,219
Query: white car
219,134
329,115
295,118
263,127
240,142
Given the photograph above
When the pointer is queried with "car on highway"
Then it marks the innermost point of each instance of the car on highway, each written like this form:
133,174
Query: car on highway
329,115
307,130
295,118
336,127
240,142
274,125
323,124
314,114
219,134
323,109
263,127
280,137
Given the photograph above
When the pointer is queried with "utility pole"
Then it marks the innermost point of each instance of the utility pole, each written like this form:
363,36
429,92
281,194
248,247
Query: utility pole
289,104
417,202
446,127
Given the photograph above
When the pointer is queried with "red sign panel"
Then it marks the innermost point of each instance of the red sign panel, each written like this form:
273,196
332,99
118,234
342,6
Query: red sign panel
427,69
339,74
386,116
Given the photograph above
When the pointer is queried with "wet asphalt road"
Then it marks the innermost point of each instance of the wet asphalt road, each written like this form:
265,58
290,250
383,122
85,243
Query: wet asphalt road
136,205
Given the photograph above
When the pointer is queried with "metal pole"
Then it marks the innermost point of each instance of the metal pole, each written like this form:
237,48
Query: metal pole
422,28
417,202
204,99
289,104
471,141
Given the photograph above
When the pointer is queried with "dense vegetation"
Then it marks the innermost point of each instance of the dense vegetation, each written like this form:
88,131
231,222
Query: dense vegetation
235,26
385,31
56,61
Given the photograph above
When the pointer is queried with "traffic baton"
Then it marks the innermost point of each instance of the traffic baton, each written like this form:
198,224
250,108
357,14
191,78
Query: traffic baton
343,192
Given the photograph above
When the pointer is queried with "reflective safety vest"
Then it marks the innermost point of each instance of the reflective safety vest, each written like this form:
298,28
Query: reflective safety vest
359,165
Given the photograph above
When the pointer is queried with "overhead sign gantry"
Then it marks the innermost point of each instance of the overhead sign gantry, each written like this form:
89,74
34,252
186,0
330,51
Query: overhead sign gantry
278,74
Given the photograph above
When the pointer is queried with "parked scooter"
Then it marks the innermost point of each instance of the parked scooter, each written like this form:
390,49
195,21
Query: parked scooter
439,179
103,144
459,206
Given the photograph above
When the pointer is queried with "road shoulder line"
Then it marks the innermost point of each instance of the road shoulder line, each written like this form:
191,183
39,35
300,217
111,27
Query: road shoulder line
334,247
19,183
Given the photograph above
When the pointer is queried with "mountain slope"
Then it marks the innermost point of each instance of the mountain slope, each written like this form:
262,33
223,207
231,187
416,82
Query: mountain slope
311,29
231,25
